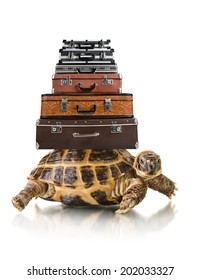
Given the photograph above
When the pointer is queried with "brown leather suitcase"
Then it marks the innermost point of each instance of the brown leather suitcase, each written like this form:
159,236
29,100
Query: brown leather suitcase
86,105
87,134
82,83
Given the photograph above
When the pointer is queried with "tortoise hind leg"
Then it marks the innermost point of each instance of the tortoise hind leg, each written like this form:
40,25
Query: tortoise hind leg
31,190
133,195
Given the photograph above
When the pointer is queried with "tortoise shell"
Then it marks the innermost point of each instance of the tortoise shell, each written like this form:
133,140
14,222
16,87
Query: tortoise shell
84,175
71,168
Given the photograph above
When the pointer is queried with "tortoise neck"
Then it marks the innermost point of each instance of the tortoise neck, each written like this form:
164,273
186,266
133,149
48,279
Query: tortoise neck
147,177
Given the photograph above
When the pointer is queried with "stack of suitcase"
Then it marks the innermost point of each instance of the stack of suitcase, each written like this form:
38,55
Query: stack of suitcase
86,108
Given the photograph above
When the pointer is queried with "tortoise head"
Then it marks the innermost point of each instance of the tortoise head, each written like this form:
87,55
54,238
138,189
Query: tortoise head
148,165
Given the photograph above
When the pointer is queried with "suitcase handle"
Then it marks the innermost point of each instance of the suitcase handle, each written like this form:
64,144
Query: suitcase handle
86,57
95,134
92,70
79,85
93,110
86,46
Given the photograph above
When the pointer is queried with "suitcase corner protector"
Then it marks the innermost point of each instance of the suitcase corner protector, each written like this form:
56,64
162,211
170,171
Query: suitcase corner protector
135,121
37,145
37,122
137,145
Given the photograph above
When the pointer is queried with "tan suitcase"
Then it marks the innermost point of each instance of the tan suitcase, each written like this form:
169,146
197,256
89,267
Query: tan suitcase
87,105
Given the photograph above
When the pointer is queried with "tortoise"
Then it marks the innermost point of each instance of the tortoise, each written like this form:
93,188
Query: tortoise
95,177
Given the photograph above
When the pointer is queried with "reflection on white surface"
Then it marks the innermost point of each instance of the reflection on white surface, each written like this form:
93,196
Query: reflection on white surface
74,222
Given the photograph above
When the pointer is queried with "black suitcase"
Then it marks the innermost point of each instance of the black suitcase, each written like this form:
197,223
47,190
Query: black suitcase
71,44
87,134
86,68
79,55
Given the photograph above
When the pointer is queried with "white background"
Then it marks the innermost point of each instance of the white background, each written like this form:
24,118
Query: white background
158,51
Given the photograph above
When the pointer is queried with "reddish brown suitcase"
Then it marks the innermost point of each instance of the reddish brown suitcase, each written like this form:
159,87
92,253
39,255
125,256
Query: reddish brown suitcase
87,134
86,105
81,83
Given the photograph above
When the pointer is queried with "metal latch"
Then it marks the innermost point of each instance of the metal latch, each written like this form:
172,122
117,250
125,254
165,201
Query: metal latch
66,82
108,104
106,81
64,105
103,56
56,128
115,128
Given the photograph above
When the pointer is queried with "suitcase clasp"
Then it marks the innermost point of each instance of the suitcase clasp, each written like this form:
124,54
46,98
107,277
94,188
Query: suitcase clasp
108,104
64,105
106,81
56,128
66,82
115,128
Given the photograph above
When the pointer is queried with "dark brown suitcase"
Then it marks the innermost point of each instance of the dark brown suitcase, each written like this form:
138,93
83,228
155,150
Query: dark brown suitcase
86,105
81,83
87,134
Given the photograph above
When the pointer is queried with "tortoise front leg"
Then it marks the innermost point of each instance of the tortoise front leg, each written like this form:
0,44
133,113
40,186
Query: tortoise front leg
133,195
163,185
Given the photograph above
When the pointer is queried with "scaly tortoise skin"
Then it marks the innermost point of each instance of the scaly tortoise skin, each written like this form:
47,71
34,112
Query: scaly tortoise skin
95,177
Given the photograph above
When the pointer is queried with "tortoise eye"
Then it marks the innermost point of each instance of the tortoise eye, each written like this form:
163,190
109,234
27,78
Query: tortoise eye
142,161
158,164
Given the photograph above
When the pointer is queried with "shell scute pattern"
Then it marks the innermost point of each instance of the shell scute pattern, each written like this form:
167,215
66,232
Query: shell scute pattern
37,172
101,198
74,156
130,160
102,172
44,159
58,175
103,156
55,157
82,168
70,175
88,175
46,174
115,171
73,200
123,166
